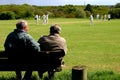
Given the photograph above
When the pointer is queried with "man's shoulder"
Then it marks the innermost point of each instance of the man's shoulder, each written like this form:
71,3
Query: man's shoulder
26,36
63,39
44,36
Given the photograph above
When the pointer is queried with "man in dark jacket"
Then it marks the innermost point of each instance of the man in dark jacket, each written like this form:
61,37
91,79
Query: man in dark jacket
52,42
20,46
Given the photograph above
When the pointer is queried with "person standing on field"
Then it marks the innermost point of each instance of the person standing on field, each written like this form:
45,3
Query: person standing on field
109,17
91,20
44,19
47,16
37,19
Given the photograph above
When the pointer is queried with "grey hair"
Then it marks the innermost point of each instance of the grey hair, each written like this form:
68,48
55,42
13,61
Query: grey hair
21,24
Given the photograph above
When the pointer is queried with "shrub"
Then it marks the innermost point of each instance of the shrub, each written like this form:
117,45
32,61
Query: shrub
80,13
115,13
7,15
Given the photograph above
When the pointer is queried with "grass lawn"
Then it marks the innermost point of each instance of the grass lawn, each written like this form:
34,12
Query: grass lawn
97,46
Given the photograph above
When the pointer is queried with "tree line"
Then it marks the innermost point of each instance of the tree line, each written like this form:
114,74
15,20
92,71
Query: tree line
14,11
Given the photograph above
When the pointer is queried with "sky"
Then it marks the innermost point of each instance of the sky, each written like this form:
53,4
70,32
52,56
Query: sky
60,2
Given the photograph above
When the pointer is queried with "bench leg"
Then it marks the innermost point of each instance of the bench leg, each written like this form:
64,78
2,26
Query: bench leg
51,75
18,75
40,74
28,75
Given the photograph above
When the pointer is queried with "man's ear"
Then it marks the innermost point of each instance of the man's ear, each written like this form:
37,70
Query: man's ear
26,28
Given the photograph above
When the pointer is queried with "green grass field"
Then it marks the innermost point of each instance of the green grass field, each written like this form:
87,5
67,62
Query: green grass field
97,46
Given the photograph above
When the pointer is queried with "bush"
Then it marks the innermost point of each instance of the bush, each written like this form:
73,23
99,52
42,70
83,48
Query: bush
80,13
7,15
28,14
115,13
117,5
88,13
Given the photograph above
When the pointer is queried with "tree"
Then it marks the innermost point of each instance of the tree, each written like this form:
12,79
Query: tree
7,15
117,5
89,8
80,13
29,14
115,13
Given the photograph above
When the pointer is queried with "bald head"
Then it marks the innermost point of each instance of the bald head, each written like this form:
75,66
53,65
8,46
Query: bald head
22,24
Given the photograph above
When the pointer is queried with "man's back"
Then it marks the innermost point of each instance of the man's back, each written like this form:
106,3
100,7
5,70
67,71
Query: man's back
52,42
20,46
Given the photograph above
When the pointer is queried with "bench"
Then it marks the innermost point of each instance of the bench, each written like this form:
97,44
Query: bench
42,58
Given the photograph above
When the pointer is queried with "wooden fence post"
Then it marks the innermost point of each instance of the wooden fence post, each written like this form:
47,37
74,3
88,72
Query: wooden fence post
79,73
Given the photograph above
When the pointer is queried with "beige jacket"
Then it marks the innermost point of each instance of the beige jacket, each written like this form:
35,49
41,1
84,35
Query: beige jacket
52,42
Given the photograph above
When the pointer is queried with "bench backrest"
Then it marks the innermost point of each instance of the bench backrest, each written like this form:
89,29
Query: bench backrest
41,58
